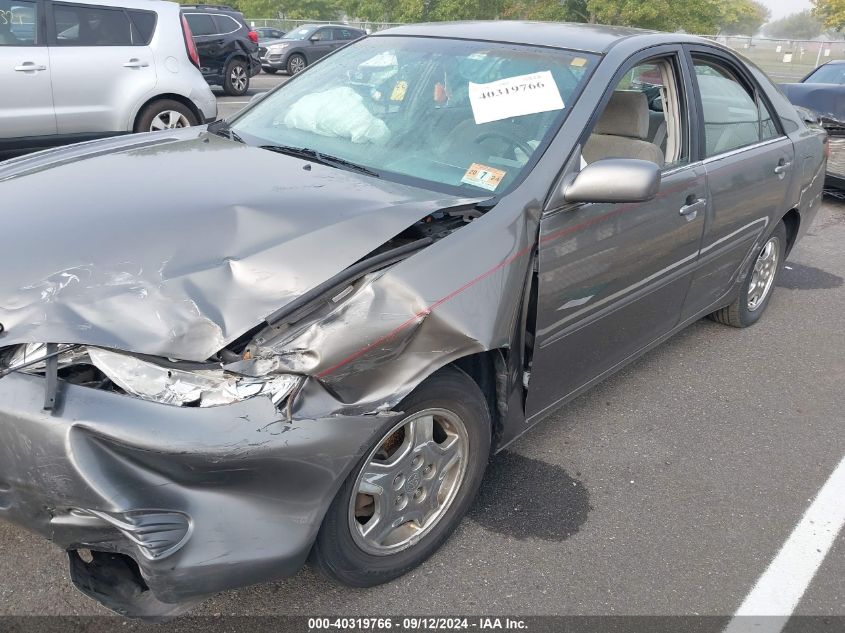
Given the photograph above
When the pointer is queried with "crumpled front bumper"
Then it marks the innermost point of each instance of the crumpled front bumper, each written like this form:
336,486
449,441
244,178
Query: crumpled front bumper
202,500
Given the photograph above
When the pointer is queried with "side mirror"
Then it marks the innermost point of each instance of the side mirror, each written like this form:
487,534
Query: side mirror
257,96
614,180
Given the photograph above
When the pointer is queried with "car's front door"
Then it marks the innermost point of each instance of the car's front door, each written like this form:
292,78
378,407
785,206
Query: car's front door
749,162
26,95
320,44
101,67
612,277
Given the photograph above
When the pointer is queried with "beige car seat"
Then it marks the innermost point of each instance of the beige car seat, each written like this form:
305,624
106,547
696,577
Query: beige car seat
622,130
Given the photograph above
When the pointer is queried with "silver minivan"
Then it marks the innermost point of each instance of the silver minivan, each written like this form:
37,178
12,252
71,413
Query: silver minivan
73,71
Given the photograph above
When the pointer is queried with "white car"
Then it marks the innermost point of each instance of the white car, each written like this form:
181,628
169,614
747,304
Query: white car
99,68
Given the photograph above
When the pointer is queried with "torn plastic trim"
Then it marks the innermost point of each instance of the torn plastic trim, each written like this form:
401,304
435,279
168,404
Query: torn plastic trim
308,302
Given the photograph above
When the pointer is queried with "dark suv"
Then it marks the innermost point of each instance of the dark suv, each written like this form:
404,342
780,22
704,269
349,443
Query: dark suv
227,47
305,45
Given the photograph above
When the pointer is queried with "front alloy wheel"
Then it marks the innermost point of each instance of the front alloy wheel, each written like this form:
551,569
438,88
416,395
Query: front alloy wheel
409,481
411,488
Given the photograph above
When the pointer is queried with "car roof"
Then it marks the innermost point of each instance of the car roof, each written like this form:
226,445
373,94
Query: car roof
317,26
594,38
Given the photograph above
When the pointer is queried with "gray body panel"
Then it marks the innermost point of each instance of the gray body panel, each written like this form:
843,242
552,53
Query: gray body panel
639,270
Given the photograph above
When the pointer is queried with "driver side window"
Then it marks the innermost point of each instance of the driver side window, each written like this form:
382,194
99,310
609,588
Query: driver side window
643,118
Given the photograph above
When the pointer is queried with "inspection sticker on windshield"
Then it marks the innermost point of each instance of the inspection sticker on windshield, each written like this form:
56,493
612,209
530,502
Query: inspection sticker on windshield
514,96
483,176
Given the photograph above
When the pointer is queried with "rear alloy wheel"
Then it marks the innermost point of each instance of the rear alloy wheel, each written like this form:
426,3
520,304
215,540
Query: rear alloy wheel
759,283
236,81
296,64
412,488
164,114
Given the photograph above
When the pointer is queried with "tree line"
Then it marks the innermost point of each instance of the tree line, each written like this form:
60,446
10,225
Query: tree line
701,16
721,17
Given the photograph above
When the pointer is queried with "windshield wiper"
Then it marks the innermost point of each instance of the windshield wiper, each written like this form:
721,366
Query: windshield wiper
321,159
222,128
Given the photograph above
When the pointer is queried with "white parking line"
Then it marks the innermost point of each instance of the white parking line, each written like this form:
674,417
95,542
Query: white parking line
784,582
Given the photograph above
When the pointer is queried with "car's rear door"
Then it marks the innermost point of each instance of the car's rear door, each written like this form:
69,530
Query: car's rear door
101,67
26,94
210,44
612,277
749,163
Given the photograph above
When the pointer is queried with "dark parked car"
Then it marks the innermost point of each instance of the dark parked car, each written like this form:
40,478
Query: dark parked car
227,47
439,235
305,45
823,92
267,34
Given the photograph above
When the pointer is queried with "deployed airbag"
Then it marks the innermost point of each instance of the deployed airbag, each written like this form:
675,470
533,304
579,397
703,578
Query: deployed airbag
337,112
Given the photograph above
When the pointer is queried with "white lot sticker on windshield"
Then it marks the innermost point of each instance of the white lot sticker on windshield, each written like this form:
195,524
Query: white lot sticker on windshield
514,96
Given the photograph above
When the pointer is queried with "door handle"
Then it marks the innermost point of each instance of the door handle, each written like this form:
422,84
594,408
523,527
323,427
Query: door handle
135,63
782,167
692,207
29,67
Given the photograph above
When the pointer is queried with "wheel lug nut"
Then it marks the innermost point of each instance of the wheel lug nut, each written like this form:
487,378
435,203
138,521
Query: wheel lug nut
398,481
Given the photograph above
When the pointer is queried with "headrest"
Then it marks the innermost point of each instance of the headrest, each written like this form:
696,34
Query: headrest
626,115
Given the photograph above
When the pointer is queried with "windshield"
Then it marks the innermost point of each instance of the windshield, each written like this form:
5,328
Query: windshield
828,74
455,116
299,34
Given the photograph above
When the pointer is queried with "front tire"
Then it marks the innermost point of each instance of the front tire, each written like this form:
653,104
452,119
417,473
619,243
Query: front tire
164,114
296,64
409,492
236,78
759,283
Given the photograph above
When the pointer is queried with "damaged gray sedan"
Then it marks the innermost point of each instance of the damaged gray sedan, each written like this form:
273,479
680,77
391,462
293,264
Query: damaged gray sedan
418,248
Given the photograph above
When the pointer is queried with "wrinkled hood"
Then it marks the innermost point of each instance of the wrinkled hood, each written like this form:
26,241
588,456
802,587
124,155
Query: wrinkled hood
175,244
826,100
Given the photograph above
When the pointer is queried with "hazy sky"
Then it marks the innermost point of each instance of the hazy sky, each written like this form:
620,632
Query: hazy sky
780,8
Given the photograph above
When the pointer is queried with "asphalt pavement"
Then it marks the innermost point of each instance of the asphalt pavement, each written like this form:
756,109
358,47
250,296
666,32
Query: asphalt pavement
262,82
666,490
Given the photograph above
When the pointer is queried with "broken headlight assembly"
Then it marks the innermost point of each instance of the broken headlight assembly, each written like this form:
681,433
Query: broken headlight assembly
155,379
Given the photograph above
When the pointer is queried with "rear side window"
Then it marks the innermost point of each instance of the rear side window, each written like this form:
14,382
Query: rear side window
226,24
734,116
18,23
201,24
78,25
143,26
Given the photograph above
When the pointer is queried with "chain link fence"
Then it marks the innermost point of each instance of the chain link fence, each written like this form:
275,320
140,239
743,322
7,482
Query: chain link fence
783,60
290,25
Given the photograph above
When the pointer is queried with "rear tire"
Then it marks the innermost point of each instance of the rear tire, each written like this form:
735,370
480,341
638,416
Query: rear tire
758,285
436,476
164,114
236,78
